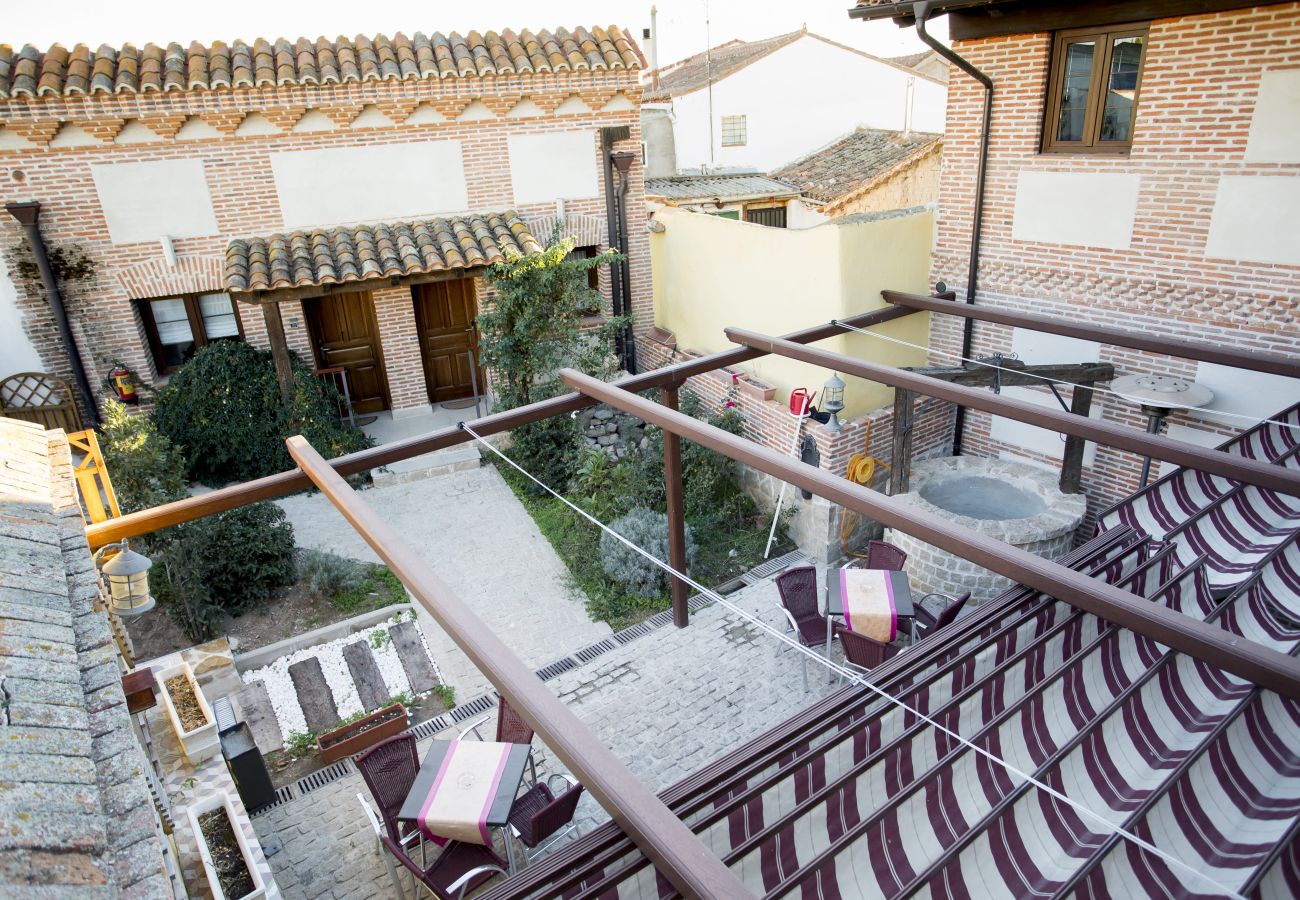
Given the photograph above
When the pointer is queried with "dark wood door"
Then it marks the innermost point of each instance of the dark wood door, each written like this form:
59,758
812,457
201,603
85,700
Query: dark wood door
444,314
345,333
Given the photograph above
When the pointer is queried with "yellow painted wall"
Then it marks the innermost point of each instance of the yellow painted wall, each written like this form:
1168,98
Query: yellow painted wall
711,273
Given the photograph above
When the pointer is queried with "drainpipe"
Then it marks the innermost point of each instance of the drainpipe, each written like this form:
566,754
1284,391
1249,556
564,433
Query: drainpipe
622,161
921,11
28,215
609,135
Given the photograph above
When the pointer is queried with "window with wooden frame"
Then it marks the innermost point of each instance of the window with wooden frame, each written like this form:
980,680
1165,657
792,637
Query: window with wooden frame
178,327
590,251
771,216
1092,89
734,131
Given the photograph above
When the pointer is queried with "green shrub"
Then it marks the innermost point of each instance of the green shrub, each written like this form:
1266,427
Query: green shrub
550,450
146,469
648,530
224,409
326,575
242,557
180,589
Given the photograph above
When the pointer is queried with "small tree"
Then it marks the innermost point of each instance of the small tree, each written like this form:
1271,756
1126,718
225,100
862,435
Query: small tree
532,329
146,468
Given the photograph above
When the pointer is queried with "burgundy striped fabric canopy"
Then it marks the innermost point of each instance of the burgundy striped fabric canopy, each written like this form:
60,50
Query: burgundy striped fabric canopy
859,797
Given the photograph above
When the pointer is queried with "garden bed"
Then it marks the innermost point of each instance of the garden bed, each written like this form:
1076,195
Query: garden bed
227,859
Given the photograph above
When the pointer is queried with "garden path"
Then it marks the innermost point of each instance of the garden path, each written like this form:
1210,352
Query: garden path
479,539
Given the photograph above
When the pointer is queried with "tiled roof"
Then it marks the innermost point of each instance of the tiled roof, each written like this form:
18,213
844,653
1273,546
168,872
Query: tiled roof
853,162
697,187
695,72
77,812
909,61
355,253
110,70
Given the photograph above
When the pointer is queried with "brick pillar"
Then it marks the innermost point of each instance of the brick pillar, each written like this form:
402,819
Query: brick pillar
395,311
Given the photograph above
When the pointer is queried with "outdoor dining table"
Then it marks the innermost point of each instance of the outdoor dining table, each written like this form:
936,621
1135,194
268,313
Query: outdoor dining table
886,583
463,789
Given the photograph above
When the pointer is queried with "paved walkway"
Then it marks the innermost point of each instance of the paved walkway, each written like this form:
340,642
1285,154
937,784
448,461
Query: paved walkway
481,541
665,704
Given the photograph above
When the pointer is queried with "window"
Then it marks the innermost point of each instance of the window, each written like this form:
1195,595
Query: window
593,274
1092,90
179,326
733,131
772,216
727,214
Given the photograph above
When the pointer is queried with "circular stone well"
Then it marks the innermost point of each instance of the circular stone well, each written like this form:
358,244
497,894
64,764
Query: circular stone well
1010,501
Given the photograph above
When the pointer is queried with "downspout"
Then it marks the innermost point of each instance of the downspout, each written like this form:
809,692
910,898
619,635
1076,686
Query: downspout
921,11
619,292
28,215
625,267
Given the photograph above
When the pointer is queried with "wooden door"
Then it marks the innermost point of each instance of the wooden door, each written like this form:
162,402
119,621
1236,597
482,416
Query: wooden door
444,314
345,333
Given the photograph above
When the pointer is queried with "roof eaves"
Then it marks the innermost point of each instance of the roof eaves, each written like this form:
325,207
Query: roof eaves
905,163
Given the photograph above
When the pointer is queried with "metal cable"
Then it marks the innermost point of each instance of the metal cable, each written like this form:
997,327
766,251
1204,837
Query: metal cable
858,679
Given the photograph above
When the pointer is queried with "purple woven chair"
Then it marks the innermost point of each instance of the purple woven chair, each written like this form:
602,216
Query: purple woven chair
861,653
511,729
884,555
798,588
927,622
389,769
541,817
459,868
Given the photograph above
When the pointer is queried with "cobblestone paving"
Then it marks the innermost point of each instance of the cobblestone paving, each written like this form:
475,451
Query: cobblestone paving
665,704
481,541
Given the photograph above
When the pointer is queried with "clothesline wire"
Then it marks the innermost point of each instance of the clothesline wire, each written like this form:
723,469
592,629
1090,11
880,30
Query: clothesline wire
1256,420
858,679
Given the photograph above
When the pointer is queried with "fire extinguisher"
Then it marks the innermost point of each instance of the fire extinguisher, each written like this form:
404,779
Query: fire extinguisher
123,384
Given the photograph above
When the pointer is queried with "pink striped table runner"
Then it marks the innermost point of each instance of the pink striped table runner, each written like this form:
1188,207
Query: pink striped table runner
869,607
461,796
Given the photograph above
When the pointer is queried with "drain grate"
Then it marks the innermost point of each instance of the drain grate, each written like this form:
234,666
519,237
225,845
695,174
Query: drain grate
587,654
282,795
660,619
559,667
322,777
224,711
475,707
430,727
639,630
772,566
699,602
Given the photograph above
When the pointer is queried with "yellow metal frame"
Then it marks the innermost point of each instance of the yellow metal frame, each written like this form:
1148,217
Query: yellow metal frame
97,498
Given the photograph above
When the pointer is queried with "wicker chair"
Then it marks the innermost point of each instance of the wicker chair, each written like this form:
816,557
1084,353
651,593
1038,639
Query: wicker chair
511,729
884,555
798,588
861,653
541,818
459,868
927,622
389,769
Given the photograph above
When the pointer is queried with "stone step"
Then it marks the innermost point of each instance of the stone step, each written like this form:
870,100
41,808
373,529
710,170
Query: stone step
314,695
255,708
415,659
366,675
429,465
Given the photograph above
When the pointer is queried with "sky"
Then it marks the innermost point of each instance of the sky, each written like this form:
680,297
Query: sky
681,23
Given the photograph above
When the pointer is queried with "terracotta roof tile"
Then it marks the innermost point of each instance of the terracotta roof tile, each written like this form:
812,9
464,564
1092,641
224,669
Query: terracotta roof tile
325,256
852,162
28,72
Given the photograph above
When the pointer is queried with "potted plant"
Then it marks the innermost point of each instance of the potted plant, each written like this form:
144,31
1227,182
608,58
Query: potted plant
355,736
191,716
228,862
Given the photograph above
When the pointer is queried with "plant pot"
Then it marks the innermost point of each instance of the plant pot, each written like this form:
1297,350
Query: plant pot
364,732
221,800
197,744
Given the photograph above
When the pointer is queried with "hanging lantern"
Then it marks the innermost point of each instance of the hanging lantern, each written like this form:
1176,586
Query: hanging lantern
127,574
833,401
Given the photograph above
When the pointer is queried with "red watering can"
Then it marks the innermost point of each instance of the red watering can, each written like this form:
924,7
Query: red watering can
801,401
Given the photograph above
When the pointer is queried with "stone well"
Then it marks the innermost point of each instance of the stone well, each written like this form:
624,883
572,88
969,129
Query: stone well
1010,501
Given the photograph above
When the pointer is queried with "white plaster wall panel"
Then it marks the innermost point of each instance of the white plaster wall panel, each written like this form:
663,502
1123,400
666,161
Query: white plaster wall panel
799,99
135,133
1245,393
369,184
144,201
255,124
1032,438
1275,124
16,351
314,120
371,117
1037,348
12,140
71,135
559,165
1086,209
524,109
572,105
476,112
195,129
424,114
1256,218
1188,436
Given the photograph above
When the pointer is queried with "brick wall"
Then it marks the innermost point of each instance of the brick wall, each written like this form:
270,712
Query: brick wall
244,199
1197,95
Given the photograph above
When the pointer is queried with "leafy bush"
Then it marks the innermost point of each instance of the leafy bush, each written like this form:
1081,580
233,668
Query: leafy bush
648,530
327,575
182,592
549,449
224,409
145,468
242,557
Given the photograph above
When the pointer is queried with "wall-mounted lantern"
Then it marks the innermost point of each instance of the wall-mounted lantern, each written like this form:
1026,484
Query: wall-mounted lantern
833,401
127,574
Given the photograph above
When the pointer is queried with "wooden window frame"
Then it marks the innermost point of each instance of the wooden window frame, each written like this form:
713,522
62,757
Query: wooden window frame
744,128
758,207
1105,38
195,316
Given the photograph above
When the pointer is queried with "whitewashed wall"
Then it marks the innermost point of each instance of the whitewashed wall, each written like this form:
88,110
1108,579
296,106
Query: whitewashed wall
16,351
799,99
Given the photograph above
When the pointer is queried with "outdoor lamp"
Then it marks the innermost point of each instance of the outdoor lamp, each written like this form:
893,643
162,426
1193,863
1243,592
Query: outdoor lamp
833,401
127,574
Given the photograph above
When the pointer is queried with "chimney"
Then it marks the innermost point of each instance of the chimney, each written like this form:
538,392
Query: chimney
909,102
650,36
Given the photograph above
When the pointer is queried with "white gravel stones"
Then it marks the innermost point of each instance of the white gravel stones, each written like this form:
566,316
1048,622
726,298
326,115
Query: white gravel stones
284,700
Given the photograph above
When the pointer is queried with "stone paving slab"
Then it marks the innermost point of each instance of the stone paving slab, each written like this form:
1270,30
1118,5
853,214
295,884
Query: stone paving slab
666,705
314,695
415,661
255,708
371,689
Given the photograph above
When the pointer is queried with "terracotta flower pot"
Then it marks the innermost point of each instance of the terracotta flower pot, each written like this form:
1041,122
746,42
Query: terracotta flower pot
364,732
